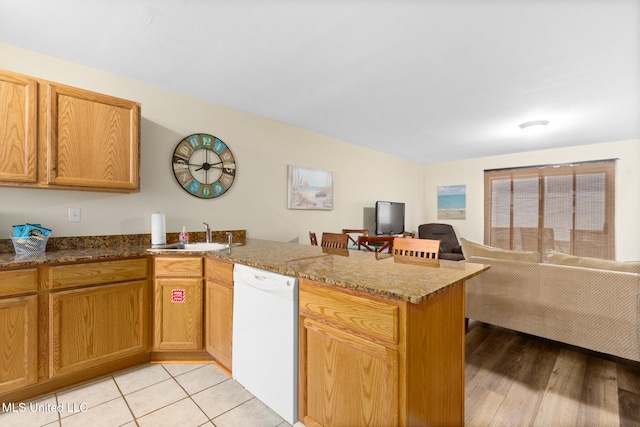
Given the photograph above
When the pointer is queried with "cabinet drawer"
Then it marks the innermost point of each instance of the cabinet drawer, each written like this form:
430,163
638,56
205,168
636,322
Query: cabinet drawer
361,314
219,271
18,281
97,273
178,266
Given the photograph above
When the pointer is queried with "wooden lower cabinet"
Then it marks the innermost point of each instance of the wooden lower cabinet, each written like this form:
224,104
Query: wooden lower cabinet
352,381
367,360
218,315
97,325
63,324
178,314
18,342
178,323
18,328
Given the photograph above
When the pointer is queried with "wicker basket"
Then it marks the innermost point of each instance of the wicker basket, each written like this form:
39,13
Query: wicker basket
30,245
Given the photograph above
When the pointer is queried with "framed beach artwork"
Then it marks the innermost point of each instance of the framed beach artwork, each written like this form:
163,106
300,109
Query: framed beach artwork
452,202
309,188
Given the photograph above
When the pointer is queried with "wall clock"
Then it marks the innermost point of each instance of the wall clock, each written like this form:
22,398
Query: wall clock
204,166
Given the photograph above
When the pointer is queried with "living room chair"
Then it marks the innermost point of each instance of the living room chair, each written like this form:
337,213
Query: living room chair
416,251
450,248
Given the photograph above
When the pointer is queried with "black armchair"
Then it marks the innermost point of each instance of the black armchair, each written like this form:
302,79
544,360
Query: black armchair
449,246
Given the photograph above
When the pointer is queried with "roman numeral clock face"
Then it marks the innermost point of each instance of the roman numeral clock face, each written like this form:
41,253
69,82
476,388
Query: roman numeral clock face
204,166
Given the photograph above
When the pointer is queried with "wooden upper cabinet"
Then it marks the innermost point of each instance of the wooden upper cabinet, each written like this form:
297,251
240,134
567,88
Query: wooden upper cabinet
92,139
61,137
18,128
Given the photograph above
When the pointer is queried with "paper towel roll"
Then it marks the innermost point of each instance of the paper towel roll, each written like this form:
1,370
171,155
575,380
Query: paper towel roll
158,231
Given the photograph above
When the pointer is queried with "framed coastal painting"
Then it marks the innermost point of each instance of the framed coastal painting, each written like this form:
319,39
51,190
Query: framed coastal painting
452,202
309,188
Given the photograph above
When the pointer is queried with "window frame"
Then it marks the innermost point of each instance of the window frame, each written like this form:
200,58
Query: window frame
541,233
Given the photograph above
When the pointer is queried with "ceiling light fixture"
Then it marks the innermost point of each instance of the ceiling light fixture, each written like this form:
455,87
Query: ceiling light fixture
535,127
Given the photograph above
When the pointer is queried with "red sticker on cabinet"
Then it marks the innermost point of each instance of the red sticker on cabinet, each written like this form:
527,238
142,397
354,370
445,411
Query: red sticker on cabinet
177,295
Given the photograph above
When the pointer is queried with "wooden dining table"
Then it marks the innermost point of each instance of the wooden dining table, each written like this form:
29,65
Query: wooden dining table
376,243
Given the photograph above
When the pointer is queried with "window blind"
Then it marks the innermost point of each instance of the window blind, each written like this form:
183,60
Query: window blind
568,208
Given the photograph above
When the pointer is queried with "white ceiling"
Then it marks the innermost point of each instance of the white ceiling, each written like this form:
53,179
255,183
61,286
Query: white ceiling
431,80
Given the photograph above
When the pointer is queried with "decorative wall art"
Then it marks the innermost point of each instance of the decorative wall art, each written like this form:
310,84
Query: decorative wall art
452,202
309,188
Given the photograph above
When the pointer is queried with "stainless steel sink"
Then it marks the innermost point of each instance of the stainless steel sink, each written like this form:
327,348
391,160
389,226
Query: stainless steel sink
203,246
194,247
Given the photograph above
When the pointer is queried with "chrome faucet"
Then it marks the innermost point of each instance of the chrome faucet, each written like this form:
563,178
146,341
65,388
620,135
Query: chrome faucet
207,231
230,238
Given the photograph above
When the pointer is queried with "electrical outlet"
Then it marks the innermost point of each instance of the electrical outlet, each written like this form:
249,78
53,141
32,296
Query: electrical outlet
74,214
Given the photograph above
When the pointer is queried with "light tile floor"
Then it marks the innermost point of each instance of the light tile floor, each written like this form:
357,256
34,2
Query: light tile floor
171,394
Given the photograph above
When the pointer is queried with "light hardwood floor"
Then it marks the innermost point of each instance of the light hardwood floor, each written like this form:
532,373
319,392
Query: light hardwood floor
514,379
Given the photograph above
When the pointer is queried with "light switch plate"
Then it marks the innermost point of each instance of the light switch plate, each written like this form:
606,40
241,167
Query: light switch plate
74,214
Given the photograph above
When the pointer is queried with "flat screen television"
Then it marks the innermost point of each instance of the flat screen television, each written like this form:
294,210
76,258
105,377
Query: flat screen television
389,218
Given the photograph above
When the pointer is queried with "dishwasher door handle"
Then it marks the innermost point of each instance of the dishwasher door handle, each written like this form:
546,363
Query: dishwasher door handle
263,283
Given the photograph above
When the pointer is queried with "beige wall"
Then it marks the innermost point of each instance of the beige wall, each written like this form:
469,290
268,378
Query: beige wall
471,173
262,148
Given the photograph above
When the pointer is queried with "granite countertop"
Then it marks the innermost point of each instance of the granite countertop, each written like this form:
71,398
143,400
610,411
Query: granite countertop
361,270
94,248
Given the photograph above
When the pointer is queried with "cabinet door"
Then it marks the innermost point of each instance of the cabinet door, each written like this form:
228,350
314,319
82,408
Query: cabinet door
218,318
346,380
18,342
93,140
93,326
219,321
18,128
178,314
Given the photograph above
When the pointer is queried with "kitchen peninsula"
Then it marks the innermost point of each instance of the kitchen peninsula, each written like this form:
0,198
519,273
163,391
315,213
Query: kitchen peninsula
380,343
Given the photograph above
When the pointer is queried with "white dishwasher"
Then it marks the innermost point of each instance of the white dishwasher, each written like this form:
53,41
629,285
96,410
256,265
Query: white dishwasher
265,338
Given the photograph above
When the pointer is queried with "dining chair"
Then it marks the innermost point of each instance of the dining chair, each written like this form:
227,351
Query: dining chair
335,244
376,243
416,251
335,240
354,233
313,238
